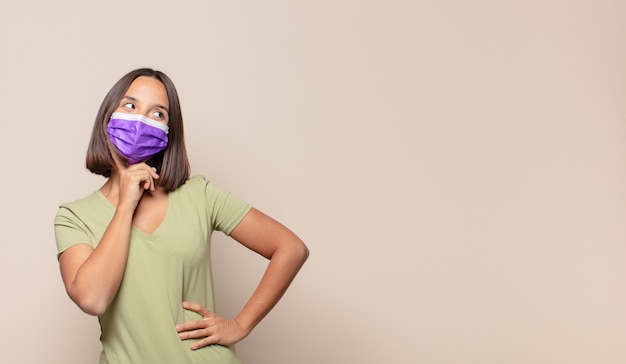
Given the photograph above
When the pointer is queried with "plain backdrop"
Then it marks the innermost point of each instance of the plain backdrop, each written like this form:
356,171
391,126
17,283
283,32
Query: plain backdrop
457,169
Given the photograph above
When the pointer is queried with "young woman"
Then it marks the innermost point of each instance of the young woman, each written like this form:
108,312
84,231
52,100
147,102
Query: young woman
136,252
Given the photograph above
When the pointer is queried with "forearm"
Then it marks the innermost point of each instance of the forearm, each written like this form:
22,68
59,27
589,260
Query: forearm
281,270
98,279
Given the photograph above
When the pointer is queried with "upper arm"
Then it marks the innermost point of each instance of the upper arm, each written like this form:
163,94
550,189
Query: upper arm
71,260
264,235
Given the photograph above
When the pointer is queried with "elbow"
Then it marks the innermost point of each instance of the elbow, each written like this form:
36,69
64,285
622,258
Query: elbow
303,253
93,310
94,306
294,251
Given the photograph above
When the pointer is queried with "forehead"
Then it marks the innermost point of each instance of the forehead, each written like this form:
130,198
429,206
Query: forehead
148,90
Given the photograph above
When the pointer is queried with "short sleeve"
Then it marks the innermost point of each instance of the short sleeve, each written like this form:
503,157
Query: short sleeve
69,230
225,209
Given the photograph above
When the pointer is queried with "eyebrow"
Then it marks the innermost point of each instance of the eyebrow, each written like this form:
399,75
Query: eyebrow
157,105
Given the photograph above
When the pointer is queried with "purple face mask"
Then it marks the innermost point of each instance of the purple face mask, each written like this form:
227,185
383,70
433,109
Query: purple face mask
137,137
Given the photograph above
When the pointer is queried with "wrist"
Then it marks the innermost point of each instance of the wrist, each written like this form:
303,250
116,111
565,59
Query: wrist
124,212
244,326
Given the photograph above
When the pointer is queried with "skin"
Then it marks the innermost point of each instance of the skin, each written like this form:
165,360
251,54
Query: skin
92,277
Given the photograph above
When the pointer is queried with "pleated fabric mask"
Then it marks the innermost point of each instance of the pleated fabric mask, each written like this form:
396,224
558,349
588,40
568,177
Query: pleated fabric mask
137,137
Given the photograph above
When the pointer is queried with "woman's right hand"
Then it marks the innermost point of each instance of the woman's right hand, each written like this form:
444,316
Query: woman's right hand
134,180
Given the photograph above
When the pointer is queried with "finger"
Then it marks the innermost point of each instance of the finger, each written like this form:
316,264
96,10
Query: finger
140,177
195,334
193,325
209,340
203,311
143,180
143,169
147,180
152,176
151,185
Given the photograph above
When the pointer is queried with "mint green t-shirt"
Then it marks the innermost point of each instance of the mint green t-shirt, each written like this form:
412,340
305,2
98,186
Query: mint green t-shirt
164,268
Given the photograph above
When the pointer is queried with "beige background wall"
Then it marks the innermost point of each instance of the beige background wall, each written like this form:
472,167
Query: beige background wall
456,167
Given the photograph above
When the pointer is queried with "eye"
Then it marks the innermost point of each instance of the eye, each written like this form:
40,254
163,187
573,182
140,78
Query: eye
159,114
129,105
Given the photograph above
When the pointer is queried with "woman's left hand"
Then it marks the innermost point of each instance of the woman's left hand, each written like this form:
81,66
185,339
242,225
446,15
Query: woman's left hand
212,329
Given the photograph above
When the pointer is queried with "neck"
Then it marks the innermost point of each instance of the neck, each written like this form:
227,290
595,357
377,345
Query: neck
111,188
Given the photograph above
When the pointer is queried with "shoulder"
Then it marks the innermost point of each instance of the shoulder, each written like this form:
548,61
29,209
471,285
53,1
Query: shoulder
83,204
193,185
92,210
203,190
196,183
87,215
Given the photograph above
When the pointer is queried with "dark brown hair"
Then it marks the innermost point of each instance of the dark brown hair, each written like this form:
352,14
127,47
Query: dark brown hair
172,164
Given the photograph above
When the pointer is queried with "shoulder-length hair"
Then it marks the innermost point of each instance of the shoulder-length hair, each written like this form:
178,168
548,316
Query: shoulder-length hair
172,164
